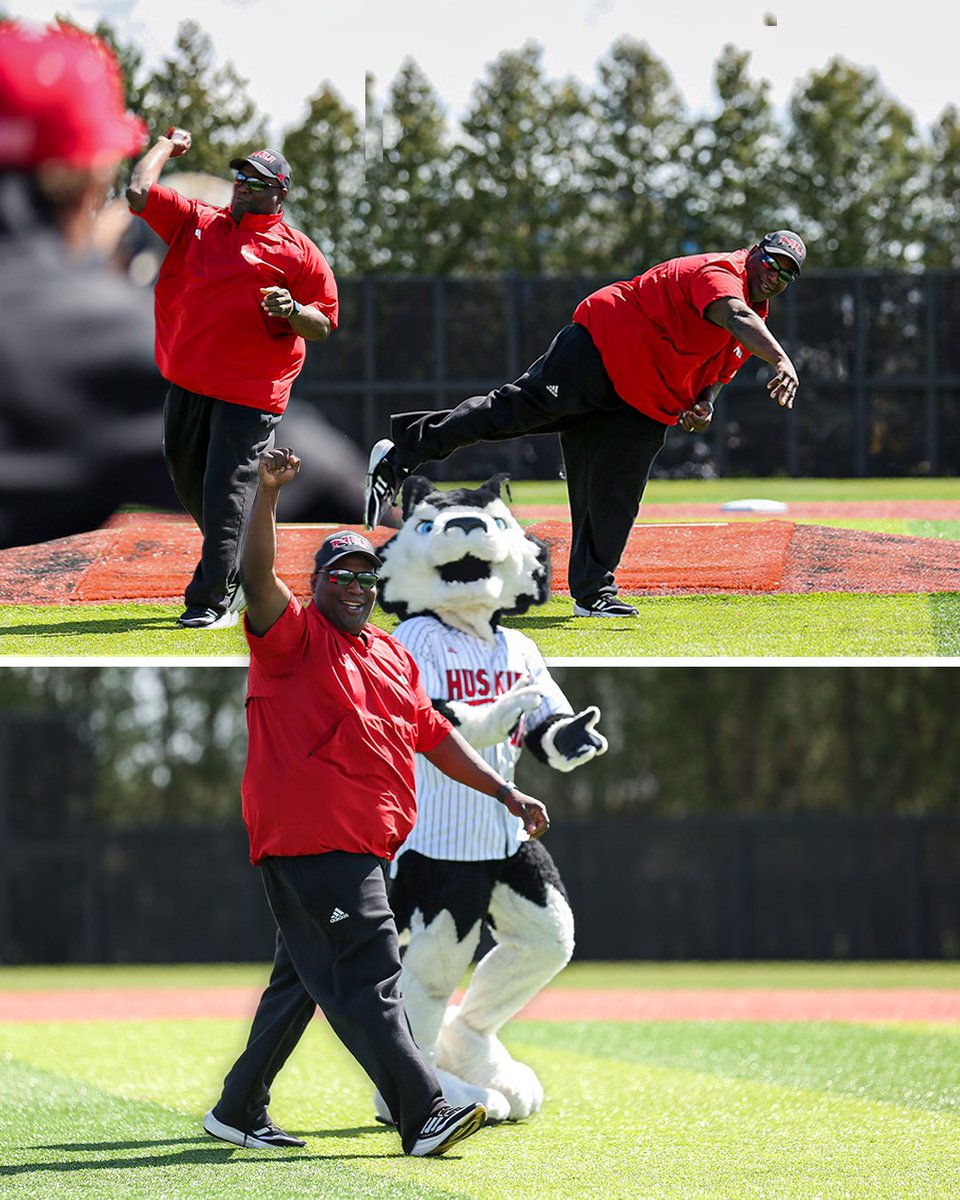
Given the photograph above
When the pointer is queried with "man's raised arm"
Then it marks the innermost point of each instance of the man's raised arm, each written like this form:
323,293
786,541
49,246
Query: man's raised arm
267,596
147,171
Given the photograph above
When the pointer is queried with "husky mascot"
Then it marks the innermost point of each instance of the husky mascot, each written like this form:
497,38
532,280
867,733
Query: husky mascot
459,562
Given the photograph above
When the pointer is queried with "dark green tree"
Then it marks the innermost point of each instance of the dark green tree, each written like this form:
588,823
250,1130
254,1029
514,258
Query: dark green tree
513,190
190,90
941,204
737,165
130,60
639,173
375,253
854,168
326,159
412,178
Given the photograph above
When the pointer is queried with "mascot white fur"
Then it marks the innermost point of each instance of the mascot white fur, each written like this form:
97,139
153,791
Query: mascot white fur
459,562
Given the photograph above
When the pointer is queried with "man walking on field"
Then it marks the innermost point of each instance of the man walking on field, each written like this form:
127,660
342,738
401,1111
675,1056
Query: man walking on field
239,293
336,716
639,356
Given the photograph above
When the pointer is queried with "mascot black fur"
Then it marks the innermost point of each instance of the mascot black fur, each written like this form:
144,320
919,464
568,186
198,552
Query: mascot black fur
458,564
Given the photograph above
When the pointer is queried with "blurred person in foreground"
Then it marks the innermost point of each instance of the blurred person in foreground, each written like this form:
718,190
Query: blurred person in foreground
79,390
239,294
336,715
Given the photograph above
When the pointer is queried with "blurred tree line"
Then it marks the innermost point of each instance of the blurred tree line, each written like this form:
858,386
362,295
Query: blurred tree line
168,743
553,175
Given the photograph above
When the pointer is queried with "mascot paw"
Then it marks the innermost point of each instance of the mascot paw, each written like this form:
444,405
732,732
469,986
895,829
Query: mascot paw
571,741
456,1092
483,1060
490,724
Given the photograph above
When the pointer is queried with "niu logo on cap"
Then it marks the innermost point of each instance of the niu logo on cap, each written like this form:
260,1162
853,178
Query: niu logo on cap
350,539
267,157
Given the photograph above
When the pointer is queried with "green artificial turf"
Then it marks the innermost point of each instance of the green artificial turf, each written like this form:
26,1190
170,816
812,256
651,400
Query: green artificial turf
819,625
789,491
782,488
725,1110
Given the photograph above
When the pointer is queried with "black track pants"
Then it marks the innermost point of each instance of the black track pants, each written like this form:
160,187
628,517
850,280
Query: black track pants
350,967
212,450
608,446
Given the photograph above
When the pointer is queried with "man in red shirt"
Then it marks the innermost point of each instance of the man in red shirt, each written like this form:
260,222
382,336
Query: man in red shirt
238,294
641,355
336,716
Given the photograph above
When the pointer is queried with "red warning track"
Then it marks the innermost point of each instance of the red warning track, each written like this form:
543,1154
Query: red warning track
679,549
555,1004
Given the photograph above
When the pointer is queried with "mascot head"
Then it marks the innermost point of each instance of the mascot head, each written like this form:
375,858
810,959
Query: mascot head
463,557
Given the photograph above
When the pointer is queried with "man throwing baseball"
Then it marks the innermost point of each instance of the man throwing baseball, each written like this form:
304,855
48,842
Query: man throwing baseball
336,716
639,356
238,294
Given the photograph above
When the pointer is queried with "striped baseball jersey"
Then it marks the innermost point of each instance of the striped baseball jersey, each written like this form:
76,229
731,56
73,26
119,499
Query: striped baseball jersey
454,821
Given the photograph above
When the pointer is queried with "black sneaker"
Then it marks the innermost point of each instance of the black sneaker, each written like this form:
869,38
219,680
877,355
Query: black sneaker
195,617
236,600
446,1127
266,1137
382,483
603,606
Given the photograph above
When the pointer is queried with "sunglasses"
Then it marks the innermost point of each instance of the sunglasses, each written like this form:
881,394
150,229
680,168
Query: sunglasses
343,578
769,261
254,183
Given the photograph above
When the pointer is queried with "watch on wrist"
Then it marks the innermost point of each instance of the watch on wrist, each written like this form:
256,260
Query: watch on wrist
501,793
296,308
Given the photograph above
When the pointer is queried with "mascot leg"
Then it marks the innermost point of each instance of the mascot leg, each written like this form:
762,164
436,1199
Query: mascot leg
434,962
534,942
433,965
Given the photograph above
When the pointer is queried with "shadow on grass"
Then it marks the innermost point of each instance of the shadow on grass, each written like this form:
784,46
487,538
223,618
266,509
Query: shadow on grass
197,1151
599,624
103,626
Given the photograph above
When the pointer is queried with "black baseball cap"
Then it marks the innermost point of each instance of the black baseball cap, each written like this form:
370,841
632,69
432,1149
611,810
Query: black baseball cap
786,242
339,545
269,163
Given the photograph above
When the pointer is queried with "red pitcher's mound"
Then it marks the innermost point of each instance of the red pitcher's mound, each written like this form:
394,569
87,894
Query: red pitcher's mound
688,558
150,558
769,556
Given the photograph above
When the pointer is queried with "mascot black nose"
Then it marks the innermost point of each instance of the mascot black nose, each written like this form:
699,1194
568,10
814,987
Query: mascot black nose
467,524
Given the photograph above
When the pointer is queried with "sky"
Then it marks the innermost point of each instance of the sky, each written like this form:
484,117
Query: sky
287,48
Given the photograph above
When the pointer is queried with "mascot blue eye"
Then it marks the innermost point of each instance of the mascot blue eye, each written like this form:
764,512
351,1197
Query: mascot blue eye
501,523
424,527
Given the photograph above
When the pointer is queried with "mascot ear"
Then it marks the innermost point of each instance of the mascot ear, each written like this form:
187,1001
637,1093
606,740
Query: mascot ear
495,483
414,489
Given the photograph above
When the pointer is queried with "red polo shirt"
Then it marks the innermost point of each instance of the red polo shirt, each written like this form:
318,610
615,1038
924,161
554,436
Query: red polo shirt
335,722
212,337
658,348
